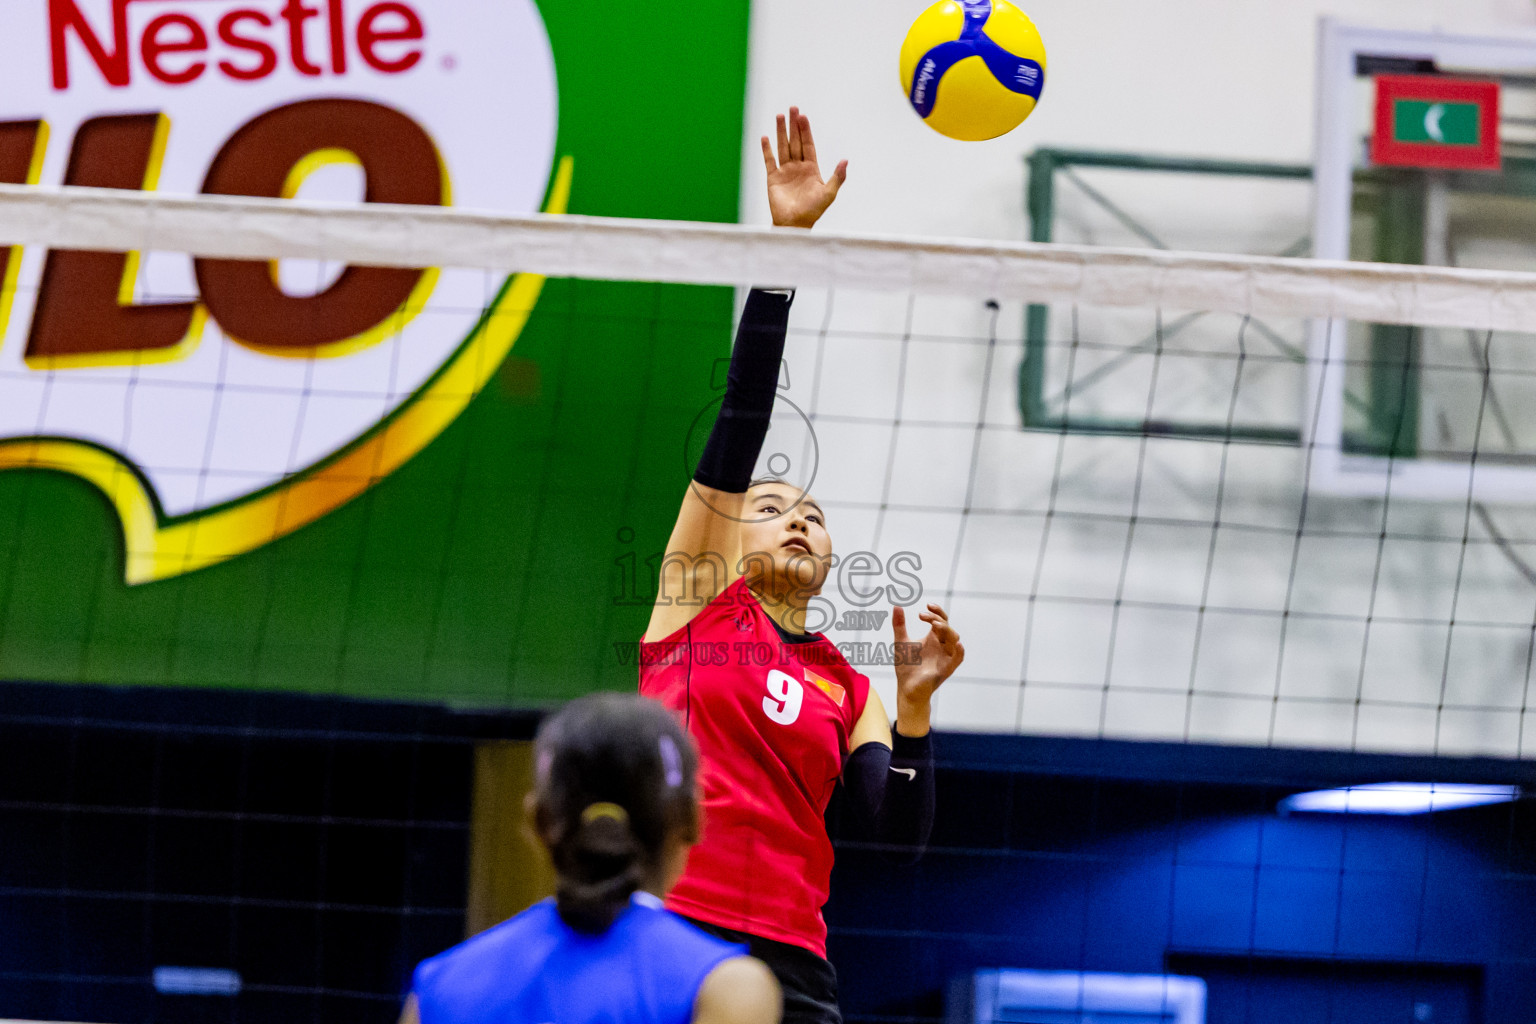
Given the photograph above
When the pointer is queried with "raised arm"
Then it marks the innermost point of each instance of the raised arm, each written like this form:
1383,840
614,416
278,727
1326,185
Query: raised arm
703,555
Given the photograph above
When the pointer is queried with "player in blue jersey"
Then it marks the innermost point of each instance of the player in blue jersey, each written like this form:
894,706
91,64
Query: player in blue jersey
616,804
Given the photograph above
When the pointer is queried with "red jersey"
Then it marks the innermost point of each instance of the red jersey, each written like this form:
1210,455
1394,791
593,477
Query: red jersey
772,721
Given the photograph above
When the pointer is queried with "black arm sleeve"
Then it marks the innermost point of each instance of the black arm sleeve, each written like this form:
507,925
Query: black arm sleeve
737,439
891,792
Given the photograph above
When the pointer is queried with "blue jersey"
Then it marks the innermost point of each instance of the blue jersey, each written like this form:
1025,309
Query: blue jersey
536,969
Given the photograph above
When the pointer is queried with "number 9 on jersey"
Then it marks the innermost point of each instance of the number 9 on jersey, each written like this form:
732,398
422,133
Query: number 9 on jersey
785,696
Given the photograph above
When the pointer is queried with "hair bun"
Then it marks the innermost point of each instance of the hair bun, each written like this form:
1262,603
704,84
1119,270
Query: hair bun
614,788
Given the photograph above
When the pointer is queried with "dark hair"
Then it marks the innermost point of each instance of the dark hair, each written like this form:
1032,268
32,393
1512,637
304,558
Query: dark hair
614,780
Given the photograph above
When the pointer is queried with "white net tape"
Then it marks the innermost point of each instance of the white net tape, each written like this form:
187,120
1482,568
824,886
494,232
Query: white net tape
696,253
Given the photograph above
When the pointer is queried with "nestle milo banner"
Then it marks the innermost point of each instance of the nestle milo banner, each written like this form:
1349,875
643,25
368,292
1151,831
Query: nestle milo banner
309,476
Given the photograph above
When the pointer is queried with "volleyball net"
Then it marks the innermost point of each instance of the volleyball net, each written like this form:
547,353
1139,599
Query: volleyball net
1163,495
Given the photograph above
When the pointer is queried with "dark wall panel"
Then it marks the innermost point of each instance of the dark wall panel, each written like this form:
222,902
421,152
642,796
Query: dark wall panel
317,847
1141,858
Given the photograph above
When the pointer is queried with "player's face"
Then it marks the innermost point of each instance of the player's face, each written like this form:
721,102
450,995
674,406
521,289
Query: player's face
784,527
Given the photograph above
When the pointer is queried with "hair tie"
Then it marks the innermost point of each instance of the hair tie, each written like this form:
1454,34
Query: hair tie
604,810
671,762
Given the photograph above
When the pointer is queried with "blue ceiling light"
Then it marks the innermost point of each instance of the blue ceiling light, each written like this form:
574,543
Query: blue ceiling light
196,981
1397,798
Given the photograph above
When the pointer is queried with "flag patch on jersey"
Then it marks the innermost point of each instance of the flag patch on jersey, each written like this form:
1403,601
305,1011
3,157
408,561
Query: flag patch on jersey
826,686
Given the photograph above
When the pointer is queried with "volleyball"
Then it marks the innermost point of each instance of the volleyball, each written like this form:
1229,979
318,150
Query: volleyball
973,69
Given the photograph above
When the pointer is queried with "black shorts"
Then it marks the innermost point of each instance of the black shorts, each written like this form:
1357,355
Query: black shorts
808,981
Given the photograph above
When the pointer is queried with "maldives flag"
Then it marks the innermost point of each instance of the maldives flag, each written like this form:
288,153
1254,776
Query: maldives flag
1434,122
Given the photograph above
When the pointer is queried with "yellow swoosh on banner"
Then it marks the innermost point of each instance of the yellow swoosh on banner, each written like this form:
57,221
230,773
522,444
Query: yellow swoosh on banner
159,550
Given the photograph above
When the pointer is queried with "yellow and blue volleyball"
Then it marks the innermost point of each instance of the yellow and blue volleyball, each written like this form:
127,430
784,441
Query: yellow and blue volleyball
973,69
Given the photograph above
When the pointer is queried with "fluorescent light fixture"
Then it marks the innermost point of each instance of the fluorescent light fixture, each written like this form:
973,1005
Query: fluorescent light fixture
1397,798
1017,995
196,981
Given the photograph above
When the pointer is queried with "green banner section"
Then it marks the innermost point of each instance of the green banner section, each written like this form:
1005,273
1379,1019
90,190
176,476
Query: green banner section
1437,123
488,569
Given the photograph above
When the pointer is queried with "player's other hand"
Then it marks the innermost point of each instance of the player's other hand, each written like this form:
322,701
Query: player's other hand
939,654
797,195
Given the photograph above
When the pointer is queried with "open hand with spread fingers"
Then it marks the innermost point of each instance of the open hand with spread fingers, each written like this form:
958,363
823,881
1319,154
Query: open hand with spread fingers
939,654
797,195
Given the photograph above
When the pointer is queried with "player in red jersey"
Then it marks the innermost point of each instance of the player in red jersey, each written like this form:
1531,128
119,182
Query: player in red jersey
779,715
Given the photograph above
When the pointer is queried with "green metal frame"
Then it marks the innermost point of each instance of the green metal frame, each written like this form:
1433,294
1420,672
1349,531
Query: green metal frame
1393,198
1396,201
1040,198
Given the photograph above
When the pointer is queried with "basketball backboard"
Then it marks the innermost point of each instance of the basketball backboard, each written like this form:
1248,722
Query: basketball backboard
1443,413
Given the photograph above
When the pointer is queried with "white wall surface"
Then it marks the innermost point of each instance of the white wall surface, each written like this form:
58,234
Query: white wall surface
1221,78
1078,623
